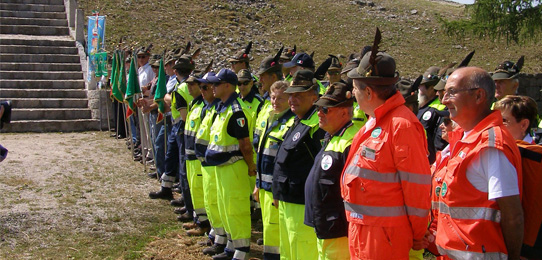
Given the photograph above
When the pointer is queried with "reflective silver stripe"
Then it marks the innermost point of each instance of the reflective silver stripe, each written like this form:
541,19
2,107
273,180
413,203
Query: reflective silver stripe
372,175
470,212
267,178
239,255
270,152
244,242
190,152
271,249
202,141
190,133
223,149
220,232
376,211
412,211
491,137
458,254
231,160
220,239
434,204
212,233
424,179
200,212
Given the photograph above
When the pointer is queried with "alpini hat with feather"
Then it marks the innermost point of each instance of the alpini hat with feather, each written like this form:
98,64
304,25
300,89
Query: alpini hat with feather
242,55
508,70
271,63
445,72
376,67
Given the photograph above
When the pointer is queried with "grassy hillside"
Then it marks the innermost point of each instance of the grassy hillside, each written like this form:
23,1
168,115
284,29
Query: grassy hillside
410,28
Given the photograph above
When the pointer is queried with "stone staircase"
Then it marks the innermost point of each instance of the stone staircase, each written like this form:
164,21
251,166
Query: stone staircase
40,69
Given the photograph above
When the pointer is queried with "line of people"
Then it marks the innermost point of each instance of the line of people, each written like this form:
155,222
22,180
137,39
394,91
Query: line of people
361,166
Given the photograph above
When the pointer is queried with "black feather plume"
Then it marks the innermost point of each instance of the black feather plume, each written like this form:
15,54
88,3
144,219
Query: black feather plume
374,51
247,49
208,68
416,84
466,60
320,73
519,64
277,56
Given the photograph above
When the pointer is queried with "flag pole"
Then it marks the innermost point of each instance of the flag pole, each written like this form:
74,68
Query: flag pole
129,130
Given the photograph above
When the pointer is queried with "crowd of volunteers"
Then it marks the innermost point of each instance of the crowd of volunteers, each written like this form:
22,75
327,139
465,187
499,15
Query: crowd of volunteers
342,160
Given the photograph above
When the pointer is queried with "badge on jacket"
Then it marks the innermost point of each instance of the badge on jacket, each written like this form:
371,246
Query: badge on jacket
241,122
327,161
368,153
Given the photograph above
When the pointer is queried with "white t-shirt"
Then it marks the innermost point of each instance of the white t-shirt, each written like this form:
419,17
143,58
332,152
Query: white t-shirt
145,75
490,171
171,83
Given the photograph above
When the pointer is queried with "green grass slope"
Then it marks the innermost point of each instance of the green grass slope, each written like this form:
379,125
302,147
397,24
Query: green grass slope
410,30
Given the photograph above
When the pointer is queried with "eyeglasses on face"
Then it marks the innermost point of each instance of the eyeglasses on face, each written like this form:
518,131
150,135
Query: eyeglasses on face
141,56
204,87
451,92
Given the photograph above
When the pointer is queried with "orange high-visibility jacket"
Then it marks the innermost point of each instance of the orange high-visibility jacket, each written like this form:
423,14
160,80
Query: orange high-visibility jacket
531,155
468,223
386,181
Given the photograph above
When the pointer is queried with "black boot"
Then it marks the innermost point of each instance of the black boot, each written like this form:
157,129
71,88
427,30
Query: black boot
178,202
164,193
215,249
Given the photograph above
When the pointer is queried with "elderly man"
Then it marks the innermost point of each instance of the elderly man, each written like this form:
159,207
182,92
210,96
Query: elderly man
480,215
293,162
324,208
386,182
230,150
505,77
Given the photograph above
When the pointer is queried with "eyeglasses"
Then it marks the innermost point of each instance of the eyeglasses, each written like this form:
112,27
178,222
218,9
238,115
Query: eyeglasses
324,110
452,92
141,57
204,87
333,72
246,83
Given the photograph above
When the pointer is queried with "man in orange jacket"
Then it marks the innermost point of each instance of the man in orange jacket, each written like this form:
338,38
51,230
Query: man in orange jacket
386,181
479,207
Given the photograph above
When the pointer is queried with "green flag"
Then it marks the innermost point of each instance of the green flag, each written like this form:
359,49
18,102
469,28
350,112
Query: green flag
132,87
115,93
161,89
121,78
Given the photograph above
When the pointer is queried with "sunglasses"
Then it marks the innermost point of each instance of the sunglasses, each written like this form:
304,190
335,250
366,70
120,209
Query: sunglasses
333,72
246,83
141,57
324,110
204,87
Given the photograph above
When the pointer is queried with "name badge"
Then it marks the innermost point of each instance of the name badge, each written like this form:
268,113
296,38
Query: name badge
368,153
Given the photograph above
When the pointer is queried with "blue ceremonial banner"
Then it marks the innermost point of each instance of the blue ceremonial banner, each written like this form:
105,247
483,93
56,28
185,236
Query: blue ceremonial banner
95,42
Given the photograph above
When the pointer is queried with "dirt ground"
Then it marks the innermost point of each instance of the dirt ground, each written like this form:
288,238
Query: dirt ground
81,196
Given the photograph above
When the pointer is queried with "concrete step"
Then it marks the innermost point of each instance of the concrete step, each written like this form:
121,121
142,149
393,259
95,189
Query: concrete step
28,49
49,113
34,30
28,14
33,21
52,75
37,41
42,58
16,66
49,102
40,2
74,84
42,93
40,66
78,125
32,7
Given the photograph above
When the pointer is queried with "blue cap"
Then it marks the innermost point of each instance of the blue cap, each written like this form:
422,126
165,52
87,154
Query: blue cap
301,59
205,77
224,75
